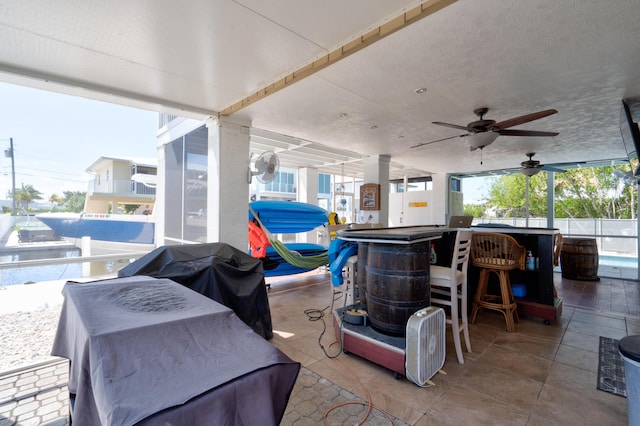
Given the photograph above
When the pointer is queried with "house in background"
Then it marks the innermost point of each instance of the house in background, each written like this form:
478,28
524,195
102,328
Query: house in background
121,181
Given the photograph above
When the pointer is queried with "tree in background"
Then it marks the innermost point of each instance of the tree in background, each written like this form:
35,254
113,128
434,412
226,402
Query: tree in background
593,192
507,195
25,195
475,210
579,193
130,208
55,200
74,201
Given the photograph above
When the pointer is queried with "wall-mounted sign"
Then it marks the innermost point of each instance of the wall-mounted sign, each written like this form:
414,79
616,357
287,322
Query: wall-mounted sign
370,196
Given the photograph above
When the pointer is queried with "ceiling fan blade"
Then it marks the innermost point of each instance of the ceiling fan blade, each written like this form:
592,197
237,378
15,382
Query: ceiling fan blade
521,119
454,126
516,132
439,140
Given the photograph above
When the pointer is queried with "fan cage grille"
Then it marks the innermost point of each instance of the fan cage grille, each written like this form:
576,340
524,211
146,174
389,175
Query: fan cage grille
426,346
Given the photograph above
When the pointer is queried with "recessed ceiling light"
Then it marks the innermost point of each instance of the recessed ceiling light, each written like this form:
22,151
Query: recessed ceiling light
344,115
421,90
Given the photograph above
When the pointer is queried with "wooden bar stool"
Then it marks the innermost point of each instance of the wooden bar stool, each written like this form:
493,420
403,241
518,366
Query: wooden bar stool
497,253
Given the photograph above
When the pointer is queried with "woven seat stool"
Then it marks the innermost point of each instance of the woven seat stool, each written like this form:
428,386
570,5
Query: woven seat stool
496,253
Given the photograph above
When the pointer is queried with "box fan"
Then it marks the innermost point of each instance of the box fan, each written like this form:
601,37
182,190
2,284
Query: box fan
426,347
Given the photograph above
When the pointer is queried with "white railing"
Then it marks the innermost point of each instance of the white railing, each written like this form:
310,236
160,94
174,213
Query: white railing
87,270
120,187
614,236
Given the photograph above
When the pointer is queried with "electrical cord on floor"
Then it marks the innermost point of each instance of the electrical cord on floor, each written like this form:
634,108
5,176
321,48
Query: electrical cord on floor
318,315
368,403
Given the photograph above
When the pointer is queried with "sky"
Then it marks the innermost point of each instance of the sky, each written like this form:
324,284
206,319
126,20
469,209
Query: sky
57,137
476,189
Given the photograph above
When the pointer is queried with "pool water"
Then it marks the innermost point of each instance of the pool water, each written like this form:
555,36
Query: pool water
620,261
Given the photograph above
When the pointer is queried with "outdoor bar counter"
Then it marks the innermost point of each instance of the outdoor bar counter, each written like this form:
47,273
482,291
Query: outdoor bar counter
394,263
539,300
153,352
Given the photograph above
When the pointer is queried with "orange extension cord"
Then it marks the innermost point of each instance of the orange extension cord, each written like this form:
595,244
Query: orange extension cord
318,315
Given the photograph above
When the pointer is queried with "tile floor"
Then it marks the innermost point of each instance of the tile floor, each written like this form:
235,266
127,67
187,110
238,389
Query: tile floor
540,375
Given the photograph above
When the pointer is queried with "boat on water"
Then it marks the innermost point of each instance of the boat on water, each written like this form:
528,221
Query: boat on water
119,183
117,229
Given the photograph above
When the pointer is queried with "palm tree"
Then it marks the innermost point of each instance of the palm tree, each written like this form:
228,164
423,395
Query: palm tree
26,195
55,200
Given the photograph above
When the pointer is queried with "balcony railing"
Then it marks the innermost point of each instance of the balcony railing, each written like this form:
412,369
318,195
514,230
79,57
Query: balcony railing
122,187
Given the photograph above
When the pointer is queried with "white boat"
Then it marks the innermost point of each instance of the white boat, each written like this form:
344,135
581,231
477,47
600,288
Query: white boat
119,182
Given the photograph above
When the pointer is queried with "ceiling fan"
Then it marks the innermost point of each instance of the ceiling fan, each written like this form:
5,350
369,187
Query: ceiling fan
483,132
531,167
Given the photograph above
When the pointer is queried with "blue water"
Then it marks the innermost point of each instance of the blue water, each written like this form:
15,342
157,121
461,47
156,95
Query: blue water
36,274
620,261
14,276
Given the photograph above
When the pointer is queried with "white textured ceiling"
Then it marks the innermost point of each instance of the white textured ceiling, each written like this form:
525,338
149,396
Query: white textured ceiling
199,57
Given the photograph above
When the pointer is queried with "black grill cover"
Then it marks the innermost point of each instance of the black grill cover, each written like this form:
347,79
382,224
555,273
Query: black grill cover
216,270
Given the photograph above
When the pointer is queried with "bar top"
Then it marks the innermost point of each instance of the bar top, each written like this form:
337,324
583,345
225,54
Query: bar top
516,230
396,235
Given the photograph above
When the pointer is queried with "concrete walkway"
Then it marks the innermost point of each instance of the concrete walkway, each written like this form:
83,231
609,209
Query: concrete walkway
35,395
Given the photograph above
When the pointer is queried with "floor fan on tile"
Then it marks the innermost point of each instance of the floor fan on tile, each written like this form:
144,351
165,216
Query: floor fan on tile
426,347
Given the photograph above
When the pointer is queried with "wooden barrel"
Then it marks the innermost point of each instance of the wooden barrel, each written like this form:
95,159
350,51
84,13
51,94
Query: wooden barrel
397,282
579,259
361,274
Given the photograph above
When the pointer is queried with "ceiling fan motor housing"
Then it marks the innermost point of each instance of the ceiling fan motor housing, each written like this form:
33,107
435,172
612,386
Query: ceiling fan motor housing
480,125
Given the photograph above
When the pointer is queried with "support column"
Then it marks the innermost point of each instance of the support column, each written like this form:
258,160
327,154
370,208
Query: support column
228,190
376,170
308,193
551,196
440,188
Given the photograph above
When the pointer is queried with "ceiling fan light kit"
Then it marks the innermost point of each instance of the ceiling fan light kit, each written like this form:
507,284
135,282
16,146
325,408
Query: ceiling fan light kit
530,171
480,140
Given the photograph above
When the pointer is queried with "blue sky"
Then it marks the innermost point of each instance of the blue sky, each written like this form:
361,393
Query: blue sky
56,137
475,189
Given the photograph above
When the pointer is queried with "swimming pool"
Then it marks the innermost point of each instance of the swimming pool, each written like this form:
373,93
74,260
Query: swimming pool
620,261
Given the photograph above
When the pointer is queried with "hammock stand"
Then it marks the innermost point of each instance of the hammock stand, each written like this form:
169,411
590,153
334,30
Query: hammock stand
292,257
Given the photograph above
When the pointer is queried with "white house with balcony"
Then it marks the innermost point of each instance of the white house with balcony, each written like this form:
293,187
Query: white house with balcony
121,181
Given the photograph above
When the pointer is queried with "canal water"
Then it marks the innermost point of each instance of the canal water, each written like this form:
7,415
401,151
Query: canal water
14,276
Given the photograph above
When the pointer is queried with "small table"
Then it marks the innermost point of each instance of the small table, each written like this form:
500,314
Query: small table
151,351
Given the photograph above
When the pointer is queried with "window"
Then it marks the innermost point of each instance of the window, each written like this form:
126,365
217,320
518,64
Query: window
324,183
186,184
456,184
283,182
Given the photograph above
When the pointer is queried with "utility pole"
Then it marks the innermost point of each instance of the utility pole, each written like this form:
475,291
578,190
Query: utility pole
9,153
